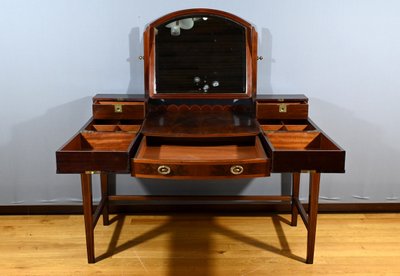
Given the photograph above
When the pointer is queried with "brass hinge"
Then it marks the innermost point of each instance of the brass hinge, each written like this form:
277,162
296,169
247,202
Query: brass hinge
118,108
282,108
308,171
92,172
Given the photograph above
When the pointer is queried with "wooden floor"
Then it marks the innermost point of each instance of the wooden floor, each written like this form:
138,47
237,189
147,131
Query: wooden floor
350,244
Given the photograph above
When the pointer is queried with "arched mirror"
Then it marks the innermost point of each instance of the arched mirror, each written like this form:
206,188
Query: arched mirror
200,54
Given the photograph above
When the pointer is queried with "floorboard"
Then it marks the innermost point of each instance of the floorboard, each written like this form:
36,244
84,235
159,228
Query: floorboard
200,244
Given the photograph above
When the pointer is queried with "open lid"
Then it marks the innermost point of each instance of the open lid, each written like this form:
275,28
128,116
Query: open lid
200,54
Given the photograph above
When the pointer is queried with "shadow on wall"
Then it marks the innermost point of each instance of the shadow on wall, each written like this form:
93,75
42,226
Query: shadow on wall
136,82
28,167
264,65
371,162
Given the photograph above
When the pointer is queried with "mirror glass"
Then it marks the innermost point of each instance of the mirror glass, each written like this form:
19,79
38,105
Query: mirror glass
200,54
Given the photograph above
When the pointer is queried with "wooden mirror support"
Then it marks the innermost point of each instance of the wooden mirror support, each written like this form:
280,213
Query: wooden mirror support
187,126
218,52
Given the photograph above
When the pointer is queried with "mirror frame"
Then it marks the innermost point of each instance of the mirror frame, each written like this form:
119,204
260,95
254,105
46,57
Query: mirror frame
149,57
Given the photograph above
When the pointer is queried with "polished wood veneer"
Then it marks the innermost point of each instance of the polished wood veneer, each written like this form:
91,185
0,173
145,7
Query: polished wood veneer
200,118
206,124
200,159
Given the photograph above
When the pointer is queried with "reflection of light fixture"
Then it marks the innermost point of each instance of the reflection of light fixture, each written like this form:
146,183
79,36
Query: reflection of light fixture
175,29
176,26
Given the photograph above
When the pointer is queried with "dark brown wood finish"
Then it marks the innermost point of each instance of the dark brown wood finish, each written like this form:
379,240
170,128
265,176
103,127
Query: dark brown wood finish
200,160
119,110
308,149
312,215
96,151
149,54
199,136
86,180
200,124
295,197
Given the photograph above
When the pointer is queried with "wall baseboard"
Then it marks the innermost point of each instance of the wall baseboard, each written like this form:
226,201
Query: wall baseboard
227,208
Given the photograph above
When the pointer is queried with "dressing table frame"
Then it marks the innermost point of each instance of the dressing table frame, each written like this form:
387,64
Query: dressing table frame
200,133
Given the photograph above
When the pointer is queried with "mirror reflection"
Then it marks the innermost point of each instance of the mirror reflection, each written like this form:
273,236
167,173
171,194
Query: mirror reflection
200,54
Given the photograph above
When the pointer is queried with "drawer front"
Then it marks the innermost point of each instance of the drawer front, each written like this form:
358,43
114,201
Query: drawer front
199,170
80,162
281,110
320,161
119,110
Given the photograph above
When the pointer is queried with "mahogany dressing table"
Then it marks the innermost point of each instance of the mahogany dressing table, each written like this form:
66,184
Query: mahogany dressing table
200,118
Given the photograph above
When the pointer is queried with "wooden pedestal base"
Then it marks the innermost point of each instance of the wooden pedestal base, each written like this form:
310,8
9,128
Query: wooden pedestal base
309,217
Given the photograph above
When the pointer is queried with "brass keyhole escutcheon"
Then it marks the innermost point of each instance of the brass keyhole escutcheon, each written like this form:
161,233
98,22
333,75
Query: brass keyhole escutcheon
283,108
118,108
164,170
237,169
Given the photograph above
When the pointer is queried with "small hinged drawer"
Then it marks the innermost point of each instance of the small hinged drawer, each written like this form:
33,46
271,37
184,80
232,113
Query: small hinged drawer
281,110
121,110
281,107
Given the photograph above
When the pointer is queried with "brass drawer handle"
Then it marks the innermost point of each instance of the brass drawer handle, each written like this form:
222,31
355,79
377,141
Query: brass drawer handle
164,170
237,169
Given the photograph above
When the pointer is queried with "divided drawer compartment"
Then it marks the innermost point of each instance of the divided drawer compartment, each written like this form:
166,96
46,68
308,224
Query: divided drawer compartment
200,159
114,126
98,147
304,150
286,125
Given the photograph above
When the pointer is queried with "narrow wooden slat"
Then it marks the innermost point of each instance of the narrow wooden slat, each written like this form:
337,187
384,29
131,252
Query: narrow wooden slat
312,215
302,211
104,196
295,195
197,198
98,212
86,182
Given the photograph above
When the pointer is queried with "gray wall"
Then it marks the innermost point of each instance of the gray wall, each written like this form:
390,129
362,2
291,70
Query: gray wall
55,55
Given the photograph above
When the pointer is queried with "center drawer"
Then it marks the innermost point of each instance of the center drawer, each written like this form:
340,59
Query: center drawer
199,159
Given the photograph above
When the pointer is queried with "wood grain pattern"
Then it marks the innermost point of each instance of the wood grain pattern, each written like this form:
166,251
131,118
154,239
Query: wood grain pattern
302,150
200,124
200,160
201,244
96,151
271,111
130,110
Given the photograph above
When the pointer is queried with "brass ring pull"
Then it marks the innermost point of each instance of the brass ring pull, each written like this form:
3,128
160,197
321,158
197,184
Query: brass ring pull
237,169
164,170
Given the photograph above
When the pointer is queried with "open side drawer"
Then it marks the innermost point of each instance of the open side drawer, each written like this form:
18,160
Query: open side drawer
96,151
304,150
128,110
198,158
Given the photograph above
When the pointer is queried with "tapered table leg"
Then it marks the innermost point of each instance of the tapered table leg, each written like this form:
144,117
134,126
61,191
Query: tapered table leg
86,182
295,195
104,195
312,215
